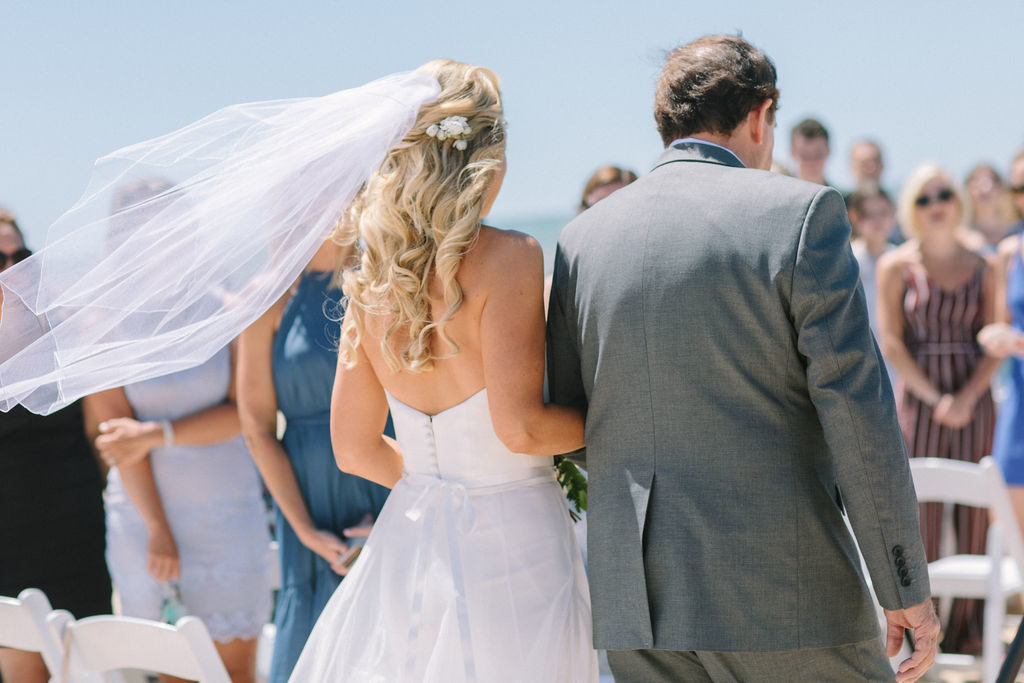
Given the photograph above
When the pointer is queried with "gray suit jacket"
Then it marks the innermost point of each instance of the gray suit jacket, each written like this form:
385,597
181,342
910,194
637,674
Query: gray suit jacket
710,318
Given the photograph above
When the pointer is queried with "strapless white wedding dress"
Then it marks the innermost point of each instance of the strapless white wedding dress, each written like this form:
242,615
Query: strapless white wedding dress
472,571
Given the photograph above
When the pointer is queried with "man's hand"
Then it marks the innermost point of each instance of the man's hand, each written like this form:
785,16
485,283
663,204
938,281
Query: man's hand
921,620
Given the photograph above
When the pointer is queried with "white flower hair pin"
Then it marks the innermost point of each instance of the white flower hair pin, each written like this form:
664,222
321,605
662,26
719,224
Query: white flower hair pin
451,127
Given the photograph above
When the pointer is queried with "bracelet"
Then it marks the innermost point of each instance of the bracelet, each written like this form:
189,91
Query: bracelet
168,430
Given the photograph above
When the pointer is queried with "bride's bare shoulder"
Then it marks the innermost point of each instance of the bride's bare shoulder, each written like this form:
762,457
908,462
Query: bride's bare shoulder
506,252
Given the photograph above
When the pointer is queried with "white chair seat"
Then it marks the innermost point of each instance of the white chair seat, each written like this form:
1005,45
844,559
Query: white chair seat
966,576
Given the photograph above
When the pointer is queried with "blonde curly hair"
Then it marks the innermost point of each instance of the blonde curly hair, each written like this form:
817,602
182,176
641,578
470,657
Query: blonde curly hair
418,216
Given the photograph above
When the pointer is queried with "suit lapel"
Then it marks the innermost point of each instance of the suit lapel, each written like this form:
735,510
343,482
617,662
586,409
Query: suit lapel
695,151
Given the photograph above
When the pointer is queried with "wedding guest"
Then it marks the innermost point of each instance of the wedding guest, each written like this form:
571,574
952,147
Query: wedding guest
51,507
936,294
866,165
992,210
1016,185
287,362
809,148
602,183
183,502
1005,339
873,219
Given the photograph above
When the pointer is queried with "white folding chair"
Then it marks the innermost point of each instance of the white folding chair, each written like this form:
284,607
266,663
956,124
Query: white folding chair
23,627
106,644
992,577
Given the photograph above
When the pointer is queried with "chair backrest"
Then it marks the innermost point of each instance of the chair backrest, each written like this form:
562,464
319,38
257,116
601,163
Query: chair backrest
108,643
941,480
23,626
964,483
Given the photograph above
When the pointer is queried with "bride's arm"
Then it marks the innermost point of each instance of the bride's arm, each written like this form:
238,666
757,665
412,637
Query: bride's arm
359,413
512,337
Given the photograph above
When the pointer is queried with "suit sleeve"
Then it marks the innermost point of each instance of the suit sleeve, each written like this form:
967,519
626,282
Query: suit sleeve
849,387
565,380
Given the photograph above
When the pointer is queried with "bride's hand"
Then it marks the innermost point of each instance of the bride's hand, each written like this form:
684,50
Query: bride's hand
326,545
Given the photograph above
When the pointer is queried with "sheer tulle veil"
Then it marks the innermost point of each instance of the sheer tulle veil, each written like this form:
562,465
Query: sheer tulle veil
133,285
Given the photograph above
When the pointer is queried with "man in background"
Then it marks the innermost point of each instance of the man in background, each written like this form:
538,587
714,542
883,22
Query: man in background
809,148
866,166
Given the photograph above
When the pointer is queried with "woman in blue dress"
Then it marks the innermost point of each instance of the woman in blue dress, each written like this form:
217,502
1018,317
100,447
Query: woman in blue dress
1005,338
287,361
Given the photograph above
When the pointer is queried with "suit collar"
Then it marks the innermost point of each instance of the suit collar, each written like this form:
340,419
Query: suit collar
699,152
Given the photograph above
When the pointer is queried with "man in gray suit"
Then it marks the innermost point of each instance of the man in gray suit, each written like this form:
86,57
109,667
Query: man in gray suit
709,317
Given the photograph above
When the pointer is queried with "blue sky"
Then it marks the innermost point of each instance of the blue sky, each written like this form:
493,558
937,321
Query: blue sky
931,80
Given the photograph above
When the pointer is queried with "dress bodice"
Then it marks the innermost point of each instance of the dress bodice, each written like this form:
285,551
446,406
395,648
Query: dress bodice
173,396
305,352
459,444
191,478
940,322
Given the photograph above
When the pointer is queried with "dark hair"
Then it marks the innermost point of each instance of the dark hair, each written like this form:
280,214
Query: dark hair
810,129
606,175
711,85
856,200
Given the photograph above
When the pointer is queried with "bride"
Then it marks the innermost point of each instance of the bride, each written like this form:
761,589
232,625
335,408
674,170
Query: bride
471,572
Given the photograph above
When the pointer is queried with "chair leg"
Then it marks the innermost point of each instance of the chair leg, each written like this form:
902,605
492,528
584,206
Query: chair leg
992,642
994,614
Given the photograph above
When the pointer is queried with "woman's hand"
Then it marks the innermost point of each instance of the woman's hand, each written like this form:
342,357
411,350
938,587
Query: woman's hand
326,545
360,534
953,411
1001,340
162,560
124,441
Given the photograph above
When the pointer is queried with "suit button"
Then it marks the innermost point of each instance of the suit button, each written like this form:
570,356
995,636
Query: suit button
897,551
903,572
900,561
905,581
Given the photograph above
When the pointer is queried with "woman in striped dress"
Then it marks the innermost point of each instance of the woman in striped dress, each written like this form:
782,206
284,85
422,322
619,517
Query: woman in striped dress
935,295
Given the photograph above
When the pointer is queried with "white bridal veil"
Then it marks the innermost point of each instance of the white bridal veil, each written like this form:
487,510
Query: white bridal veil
182,241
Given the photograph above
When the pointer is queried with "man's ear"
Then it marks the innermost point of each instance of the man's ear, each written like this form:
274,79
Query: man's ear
758,119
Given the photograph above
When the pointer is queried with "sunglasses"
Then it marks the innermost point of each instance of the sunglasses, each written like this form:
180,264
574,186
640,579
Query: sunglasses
941,197
16,257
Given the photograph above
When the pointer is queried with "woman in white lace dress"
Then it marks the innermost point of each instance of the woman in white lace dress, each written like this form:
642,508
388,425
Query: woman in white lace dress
186,507
184,503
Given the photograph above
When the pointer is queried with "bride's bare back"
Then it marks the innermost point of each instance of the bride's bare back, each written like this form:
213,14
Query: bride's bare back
501,279
500,332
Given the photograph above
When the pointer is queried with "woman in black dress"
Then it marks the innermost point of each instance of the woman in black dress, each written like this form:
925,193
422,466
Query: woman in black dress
51,507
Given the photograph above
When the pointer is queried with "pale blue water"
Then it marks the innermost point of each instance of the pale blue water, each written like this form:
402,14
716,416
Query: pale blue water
544,228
